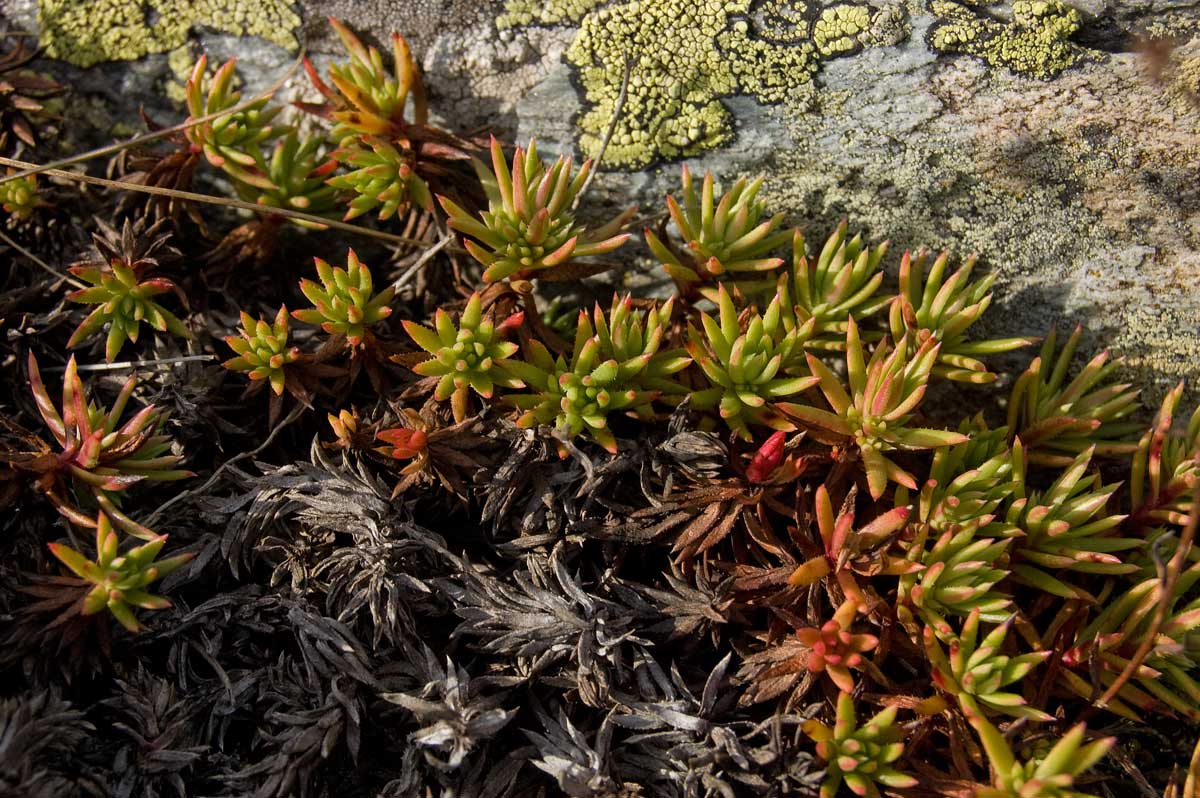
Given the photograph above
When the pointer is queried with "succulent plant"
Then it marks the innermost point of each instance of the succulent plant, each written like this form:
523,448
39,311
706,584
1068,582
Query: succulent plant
968,481
1165,681
366,99
628,333
884,391
125,300
469,357
262,350
959,576
383,177
850,551
859,756
834,649
19,196
349,431
529,227
119,580
976,671
232,142
1065,528
1057,421
345,303
960,542
605,375
842,281
435,453
1166,467
849,547
745,368
297,171
96,454
559,317
934,306
1051,776
382,129
719,236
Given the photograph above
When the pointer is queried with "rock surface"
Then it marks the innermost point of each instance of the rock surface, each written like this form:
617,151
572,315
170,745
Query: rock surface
1032,131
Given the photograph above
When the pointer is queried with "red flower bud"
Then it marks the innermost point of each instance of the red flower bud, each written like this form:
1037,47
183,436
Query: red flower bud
766,459
407,443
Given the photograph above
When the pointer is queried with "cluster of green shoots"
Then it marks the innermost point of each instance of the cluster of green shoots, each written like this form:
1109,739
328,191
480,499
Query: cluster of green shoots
377,156
90,462
345,305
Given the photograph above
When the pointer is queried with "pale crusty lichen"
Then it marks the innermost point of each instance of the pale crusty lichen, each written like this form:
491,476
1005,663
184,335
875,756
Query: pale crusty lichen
530,12
686,56
87,32
1036,43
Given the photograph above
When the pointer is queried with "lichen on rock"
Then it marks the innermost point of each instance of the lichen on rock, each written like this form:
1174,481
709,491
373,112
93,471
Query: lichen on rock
530,12
837,29
87,32
1036,43
687,56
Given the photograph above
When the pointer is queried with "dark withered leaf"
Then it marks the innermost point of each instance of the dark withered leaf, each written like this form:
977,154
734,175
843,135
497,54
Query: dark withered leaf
694,747
485,774
78,645
163,751
677,743
683,607
542,616
246,628
383,579
454,712
40,740
169,170
484,777
581,768
539,496
697,454
328,647
191,391
323,498
140,244
777,669
300,734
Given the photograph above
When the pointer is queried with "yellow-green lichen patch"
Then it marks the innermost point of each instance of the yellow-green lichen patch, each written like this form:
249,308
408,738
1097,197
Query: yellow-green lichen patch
838,28
685,56
765,69
1036,43
676,76
87,32
180,62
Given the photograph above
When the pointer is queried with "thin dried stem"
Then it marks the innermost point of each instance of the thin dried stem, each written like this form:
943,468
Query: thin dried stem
608,134
41,263
135,364
225,201
428,254
292,416
1170,577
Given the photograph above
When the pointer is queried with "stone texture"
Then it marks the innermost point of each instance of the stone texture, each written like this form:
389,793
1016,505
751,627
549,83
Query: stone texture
1029,131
